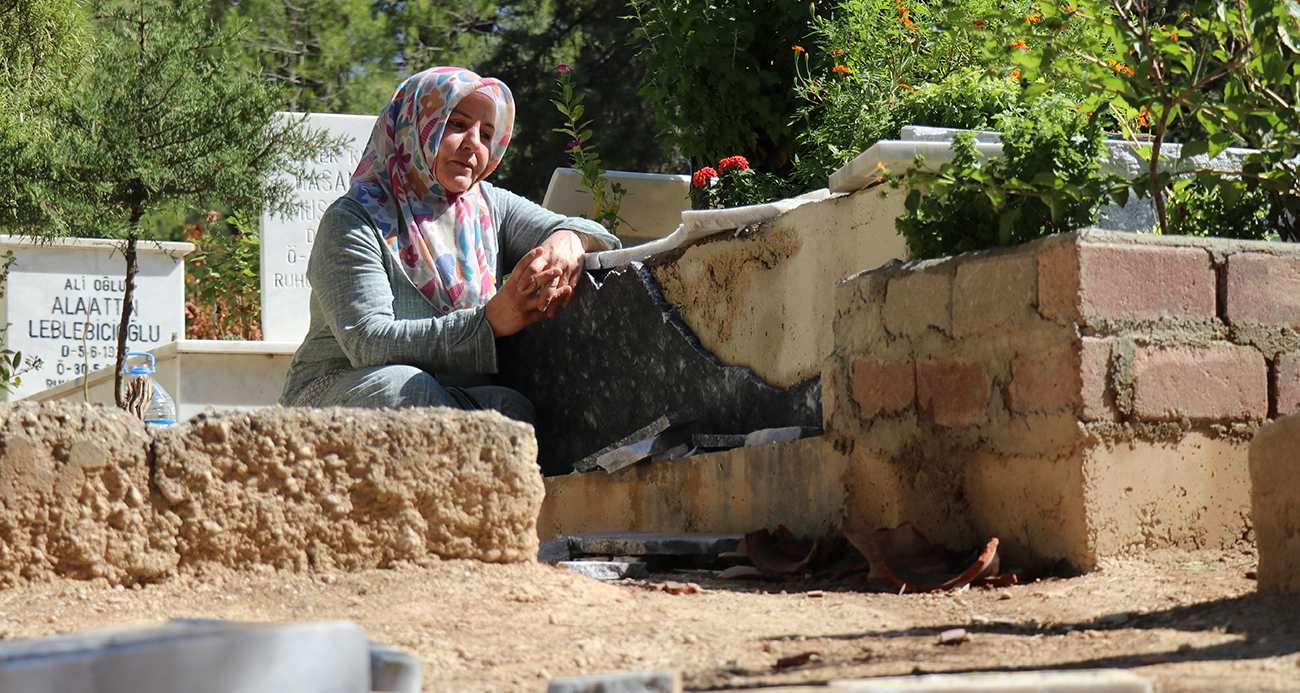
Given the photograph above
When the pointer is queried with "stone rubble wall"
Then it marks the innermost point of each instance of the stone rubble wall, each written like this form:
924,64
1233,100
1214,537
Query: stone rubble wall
1032,370
89,492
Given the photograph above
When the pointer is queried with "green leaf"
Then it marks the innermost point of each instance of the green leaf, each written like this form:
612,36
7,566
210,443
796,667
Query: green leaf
1194,148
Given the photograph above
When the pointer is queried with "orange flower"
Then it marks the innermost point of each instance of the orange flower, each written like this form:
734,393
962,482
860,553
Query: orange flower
1034,18
980,24
1021,45
798,49
1144,117
841,68
837,52
1015,74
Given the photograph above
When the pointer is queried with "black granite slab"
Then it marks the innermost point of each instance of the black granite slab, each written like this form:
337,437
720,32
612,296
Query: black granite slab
652,543
618,358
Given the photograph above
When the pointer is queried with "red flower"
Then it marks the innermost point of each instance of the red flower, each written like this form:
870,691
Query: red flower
737,162
703,176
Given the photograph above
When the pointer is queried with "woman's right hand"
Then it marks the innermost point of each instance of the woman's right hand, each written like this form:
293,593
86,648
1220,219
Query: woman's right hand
517,304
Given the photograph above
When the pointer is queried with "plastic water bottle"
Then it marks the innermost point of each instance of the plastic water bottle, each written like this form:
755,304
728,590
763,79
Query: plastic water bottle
161,409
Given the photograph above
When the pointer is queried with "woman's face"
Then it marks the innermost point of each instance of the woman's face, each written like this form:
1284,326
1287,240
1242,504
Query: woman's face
465,149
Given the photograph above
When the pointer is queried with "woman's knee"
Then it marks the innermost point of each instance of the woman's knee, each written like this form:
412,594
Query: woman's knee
387,387
506,401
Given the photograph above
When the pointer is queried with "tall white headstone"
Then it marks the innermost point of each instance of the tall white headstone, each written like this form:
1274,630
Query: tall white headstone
63,304
287,239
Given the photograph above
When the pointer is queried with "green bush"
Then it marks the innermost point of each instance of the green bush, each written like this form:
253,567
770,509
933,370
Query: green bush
1048,180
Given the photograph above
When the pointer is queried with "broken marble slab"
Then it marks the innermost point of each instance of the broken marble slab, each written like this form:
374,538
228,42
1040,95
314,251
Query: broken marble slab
784,434
701,223
661,448
708,442
554,551
653,543
606,570
620,356
659,435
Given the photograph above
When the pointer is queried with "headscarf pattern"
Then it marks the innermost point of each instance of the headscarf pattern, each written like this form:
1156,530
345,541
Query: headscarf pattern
444,243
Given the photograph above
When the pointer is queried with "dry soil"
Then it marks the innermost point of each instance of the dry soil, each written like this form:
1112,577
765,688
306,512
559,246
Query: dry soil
1187,621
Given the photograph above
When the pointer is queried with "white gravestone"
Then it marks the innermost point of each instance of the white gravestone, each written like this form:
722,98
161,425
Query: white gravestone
63,303
287,238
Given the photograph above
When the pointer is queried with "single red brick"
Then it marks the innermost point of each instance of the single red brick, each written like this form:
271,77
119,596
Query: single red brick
951,393
1126,281
991,293
1286,383
916,302
1058,281
889,387
1263,289
1227,382
1045,382
1094,374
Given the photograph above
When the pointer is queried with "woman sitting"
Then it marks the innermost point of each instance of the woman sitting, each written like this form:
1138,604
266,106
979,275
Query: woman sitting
406,299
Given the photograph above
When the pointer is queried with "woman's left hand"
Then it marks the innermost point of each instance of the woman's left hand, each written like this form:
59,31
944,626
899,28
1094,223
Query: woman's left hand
563,250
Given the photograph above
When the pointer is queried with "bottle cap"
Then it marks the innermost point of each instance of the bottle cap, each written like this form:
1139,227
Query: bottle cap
141,369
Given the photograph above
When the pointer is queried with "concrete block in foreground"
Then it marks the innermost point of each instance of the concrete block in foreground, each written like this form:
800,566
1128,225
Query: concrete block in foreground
1086,681
195,657
75,496
622,682
393,671
1275,503
350,489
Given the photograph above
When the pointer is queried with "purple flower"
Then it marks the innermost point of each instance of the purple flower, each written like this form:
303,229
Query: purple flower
574,143
561,68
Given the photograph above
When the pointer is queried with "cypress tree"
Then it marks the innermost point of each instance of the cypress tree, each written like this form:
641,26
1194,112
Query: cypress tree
160,115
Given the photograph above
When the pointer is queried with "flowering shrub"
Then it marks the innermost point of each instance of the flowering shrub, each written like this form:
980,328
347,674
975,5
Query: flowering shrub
704,177
733,184
882,64
606,198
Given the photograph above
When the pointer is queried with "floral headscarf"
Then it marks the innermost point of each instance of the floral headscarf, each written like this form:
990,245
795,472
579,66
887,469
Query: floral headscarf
445,244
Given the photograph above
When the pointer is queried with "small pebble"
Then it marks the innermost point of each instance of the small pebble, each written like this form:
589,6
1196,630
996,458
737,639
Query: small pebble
954,636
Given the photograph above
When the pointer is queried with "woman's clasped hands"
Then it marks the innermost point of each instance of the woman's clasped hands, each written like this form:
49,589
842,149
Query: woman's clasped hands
541,284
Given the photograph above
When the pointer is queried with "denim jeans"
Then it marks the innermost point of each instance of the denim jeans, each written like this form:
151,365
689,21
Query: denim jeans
397,386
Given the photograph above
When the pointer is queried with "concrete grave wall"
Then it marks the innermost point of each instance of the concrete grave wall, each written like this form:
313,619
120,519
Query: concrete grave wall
89,492
761,298
1081,396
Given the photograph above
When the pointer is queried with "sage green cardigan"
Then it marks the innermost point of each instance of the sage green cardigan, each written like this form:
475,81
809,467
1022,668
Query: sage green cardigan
365,312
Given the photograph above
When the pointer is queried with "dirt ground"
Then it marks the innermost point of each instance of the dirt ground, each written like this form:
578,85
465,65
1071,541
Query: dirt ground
1187,621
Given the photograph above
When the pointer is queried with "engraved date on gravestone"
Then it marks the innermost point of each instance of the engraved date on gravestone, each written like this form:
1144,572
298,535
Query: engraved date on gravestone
78,333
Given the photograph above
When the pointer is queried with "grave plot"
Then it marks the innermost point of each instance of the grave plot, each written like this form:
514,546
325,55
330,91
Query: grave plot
733,327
